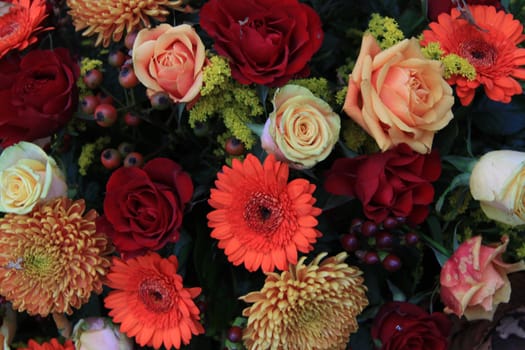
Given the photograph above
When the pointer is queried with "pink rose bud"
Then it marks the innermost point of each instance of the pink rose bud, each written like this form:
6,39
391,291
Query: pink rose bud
96,333
474,280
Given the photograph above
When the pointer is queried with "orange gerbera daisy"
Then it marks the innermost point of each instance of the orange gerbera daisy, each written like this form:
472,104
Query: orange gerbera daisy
19,23
261,220
309,307
52,258
491,48
151,303
108,19
53,344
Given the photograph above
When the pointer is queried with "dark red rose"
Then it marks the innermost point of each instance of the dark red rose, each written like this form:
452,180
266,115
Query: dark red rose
143,207
401,325
395,183
38,94
267,41
437,7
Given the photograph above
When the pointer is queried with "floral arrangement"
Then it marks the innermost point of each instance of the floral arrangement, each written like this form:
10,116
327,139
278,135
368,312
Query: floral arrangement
262,174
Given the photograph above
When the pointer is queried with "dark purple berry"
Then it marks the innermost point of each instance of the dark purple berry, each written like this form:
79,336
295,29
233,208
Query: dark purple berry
234,334
355,226
371,258
384,240
390,223
368,228
411,238
391,263
350,242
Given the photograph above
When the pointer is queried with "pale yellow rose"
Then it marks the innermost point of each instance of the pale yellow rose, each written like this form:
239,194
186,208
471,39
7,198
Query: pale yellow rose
28,176
170,59
302,129
398,96
498,182
97,333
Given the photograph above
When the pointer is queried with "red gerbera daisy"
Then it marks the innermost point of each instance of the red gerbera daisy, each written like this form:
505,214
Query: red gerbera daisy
151,303
491,49
53,344
261,220
19,24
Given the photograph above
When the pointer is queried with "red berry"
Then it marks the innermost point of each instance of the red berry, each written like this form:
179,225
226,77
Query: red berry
133,159
93,78
371,258
103,98
234,147
368,228
350,242
384,240
391,263
411,238
127,77
355,226
390,223
160,101
132,119
234,334
125,148
105,115
110,158
129,39
89,103
116,58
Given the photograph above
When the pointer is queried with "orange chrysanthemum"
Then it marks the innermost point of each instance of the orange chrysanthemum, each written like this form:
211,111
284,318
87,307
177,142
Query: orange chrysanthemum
19,24
491,49
52,258
309,307
151,303
108,19
261,220
53,344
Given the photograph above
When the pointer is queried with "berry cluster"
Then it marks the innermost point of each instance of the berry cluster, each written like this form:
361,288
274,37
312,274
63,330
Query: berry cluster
124,154
374,243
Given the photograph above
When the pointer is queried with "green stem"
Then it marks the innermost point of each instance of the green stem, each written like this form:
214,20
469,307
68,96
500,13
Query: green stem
435,244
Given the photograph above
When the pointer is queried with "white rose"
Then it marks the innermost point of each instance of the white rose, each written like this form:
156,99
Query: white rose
97,333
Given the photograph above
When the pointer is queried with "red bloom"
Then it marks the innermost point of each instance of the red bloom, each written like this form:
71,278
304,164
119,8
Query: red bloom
267,41
38,96
437,7
393,183
143,208
401,325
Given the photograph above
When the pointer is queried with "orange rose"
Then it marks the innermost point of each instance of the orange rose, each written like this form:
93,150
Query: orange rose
398,96
474,280
170,59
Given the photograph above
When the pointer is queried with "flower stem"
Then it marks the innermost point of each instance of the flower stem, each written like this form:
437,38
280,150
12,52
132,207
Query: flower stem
63,324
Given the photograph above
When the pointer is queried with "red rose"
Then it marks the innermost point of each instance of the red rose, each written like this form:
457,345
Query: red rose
143,208
437,7
38,94
267,41
401,325
396,182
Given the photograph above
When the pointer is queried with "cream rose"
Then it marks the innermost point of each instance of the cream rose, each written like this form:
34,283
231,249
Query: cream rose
302,129
397,95
97,333
28,176
474,280
497,181
170,59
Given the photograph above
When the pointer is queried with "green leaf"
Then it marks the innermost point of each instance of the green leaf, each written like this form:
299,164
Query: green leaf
441,258
256,128
459,180
397,294
463,164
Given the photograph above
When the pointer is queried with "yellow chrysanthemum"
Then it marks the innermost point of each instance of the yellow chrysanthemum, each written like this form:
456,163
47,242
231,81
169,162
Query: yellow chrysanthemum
110,18
52,258
309,307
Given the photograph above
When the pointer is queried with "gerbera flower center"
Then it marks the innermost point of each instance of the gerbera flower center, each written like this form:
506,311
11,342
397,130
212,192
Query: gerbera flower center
478,52
156,294
263,213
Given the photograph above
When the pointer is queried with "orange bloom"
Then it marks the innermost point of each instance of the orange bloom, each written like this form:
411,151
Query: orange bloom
19,24
309,307
109,19
52,258
151,303
53,344
261,220
492,50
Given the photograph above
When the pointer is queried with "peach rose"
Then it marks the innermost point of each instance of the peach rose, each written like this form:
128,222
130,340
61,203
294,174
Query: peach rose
170,59
498,182
28,176
302,129
397,95
474,280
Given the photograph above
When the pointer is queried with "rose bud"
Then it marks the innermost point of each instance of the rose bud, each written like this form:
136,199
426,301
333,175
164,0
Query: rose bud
95,333
474,279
